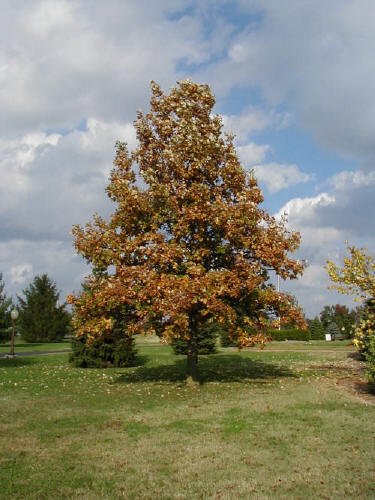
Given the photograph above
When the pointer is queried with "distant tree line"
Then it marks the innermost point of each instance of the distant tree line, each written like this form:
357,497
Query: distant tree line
337,320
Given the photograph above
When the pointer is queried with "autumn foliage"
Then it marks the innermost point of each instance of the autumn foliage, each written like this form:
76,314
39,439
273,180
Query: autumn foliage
357,277
188,243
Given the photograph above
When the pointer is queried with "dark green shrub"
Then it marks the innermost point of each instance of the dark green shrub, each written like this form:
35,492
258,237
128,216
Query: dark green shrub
290,334
118,352
5,335
206,341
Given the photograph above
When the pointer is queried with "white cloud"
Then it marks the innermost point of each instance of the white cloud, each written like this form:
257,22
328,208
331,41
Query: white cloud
20,273
50,15
251,120
279,176
314,276
251,154
325,222
357,179
64,61
321,237
316,58
52,181
56,258
300,210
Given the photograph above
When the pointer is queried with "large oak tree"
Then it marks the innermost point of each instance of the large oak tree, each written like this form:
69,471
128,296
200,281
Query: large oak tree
188,243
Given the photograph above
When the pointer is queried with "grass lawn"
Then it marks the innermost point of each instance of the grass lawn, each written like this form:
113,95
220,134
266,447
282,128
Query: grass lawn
22,346
312,345
262,425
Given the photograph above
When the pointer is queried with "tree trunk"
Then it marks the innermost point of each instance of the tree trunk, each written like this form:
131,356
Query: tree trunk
192,372
192,367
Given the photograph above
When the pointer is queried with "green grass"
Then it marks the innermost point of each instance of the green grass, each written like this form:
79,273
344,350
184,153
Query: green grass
311,345
262,425
22,346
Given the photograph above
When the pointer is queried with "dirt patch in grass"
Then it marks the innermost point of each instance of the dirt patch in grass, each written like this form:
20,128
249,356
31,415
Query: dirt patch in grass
357,388
354,380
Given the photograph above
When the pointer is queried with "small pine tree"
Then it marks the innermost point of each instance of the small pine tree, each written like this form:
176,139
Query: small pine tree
316,329
206,339
5,307
333,330
41,319
112,352
115,349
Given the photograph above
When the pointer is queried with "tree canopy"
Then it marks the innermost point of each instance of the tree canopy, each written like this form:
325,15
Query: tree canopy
188,243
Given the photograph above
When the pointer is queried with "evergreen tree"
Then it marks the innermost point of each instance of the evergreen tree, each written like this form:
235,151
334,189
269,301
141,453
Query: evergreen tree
345,319
5,307
333,330
326,316
206,341
41,319
316,329
116,349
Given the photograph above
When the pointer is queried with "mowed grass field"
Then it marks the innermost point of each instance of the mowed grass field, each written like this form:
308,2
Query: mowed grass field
22,346
273,424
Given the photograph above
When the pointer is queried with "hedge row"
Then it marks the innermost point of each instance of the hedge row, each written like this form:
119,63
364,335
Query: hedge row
290,334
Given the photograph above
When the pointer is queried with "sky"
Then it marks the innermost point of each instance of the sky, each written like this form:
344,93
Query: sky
295,81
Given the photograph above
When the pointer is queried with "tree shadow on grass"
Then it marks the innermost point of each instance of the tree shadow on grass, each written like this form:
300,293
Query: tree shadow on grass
16,362
214,368
140,360
235,368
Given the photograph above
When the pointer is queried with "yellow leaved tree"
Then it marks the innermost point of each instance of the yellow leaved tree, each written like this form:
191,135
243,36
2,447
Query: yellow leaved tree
357,278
